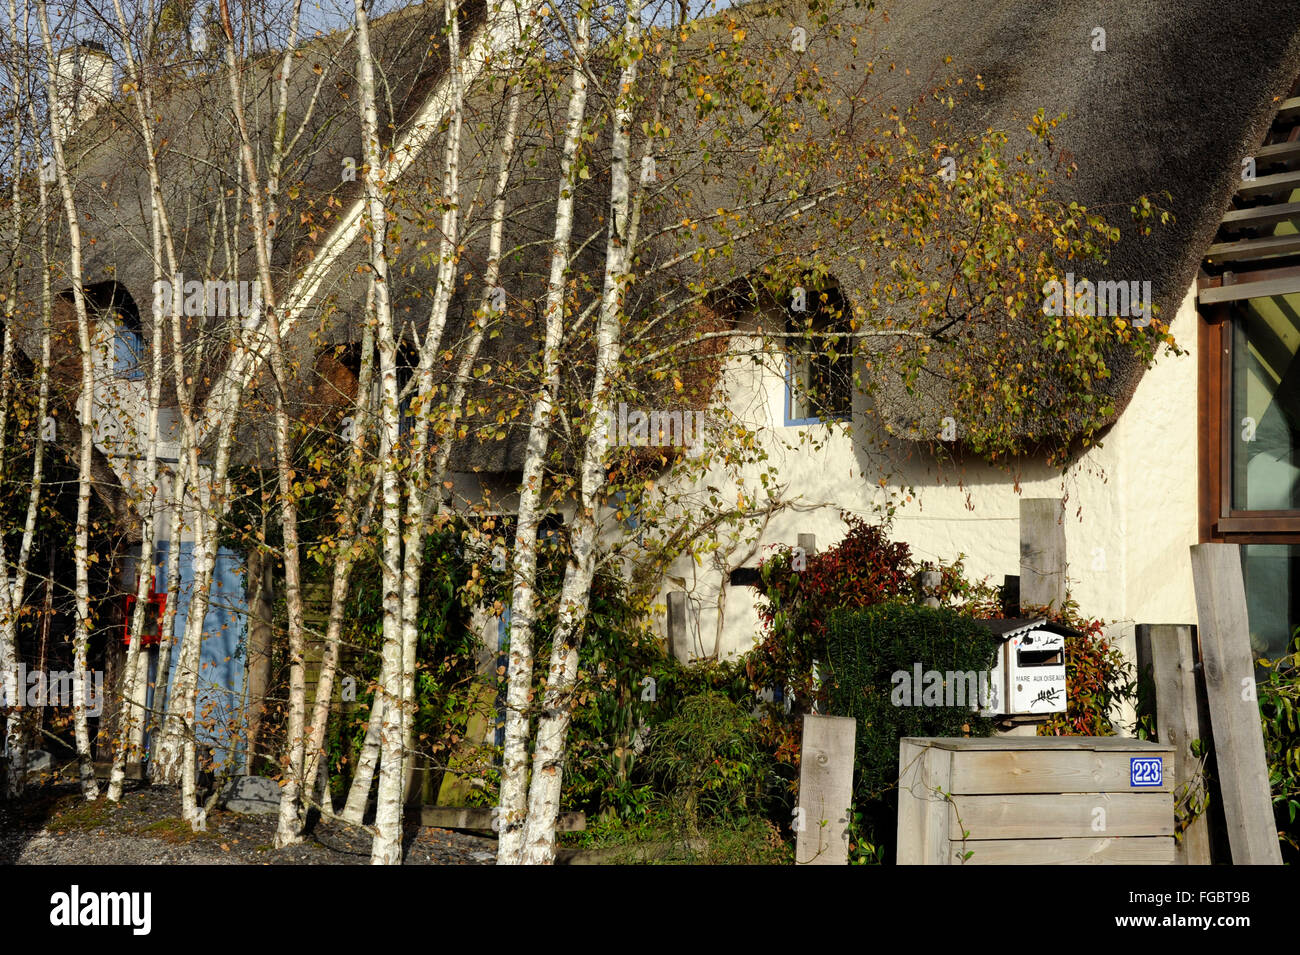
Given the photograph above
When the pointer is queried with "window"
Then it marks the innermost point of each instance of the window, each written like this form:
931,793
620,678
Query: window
1265,403
819,362
1250,480
128,351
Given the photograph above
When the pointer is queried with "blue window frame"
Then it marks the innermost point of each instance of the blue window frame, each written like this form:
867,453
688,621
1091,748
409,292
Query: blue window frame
128,352
798,410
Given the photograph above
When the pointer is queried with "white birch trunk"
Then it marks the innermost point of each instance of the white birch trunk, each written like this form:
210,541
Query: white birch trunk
393,776
137,661
85,410
575,595
263,222
354,811
387,712
13,574
519,673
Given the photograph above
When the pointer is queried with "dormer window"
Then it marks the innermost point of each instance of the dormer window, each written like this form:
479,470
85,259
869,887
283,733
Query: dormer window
819,358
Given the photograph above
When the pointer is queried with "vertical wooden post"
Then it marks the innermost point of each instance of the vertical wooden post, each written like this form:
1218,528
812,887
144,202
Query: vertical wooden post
930,581
809,544
1234,712
676,621
1042,553
1167,649
922,812
825,790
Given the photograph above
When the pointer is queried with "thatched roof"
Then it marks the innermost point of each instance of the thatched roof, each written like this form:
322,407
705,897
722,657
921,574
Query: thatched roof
1184,89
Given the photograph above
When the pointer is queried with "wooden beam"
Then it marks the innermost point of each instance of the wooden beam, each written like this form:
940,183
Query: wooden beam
1253,248
1241,290
1289,111
1234,713
1062,815
1168,650
1042,553
1146,850
1268,185
1259,216
825,790
1277,152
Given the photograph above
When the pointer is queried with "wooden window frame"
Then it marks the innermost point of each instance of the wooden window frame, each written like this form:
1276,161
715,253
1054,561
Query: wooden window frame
1219,522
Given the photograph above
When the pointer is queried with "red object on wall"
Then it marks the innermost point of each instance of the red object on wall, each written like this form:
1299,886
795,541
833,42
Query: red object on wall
153,617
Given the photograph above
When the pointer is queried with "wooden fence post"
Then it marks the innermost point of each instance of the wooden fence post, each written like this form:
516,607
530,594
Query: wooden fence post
1042,553
1234,713
808,543
676,621
929,581
1168,650
825,790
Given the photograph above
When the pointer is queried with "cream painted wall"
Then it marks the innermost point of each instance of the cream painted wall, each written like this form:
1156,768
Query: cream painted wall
1130,513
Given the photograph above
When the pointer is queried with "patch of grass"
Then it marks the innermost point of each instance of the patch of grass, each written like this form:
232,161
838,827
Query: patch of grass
662,840
176,831
78,815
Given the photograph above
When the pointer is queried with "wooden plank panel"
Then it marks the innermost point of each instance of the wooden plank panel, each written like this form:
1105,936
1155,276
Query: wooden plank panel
1135,850
1105,744
1179,721
1234,713
1061,815
1046,771
825,790
922,812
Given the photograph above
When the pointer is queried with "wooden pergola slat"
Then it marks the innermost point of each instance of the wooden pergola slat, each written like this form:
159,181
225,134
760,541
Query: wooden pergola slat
1267,185
1238,219
1253,248
1277,152
1241,290
1289,111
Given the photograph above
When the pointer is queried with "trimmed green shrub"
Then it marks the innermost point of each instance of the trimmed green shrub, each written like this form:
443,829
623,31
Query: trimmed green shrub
708,759
866,649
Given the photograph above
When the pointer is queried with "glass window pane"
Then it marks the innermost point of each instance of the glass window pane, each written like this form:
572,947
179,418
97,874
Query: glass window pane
1272,575
1265,403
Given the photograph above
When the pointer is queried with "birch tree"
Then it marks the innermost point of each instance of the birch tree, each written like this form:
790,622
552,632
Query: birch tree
14,571
85,411
519,682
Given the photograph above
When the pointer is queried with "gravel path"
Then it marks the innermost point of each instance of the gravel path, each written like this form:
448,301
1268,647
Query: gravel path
54,825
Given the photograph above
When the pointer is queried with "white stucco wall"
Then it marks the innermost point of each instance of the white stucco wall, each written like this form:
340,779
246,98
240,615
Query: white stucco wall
1130,513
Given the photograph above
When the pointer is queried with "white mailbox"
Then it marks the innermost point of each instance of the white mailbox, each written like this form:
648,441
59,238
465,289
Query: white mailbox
1028,677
